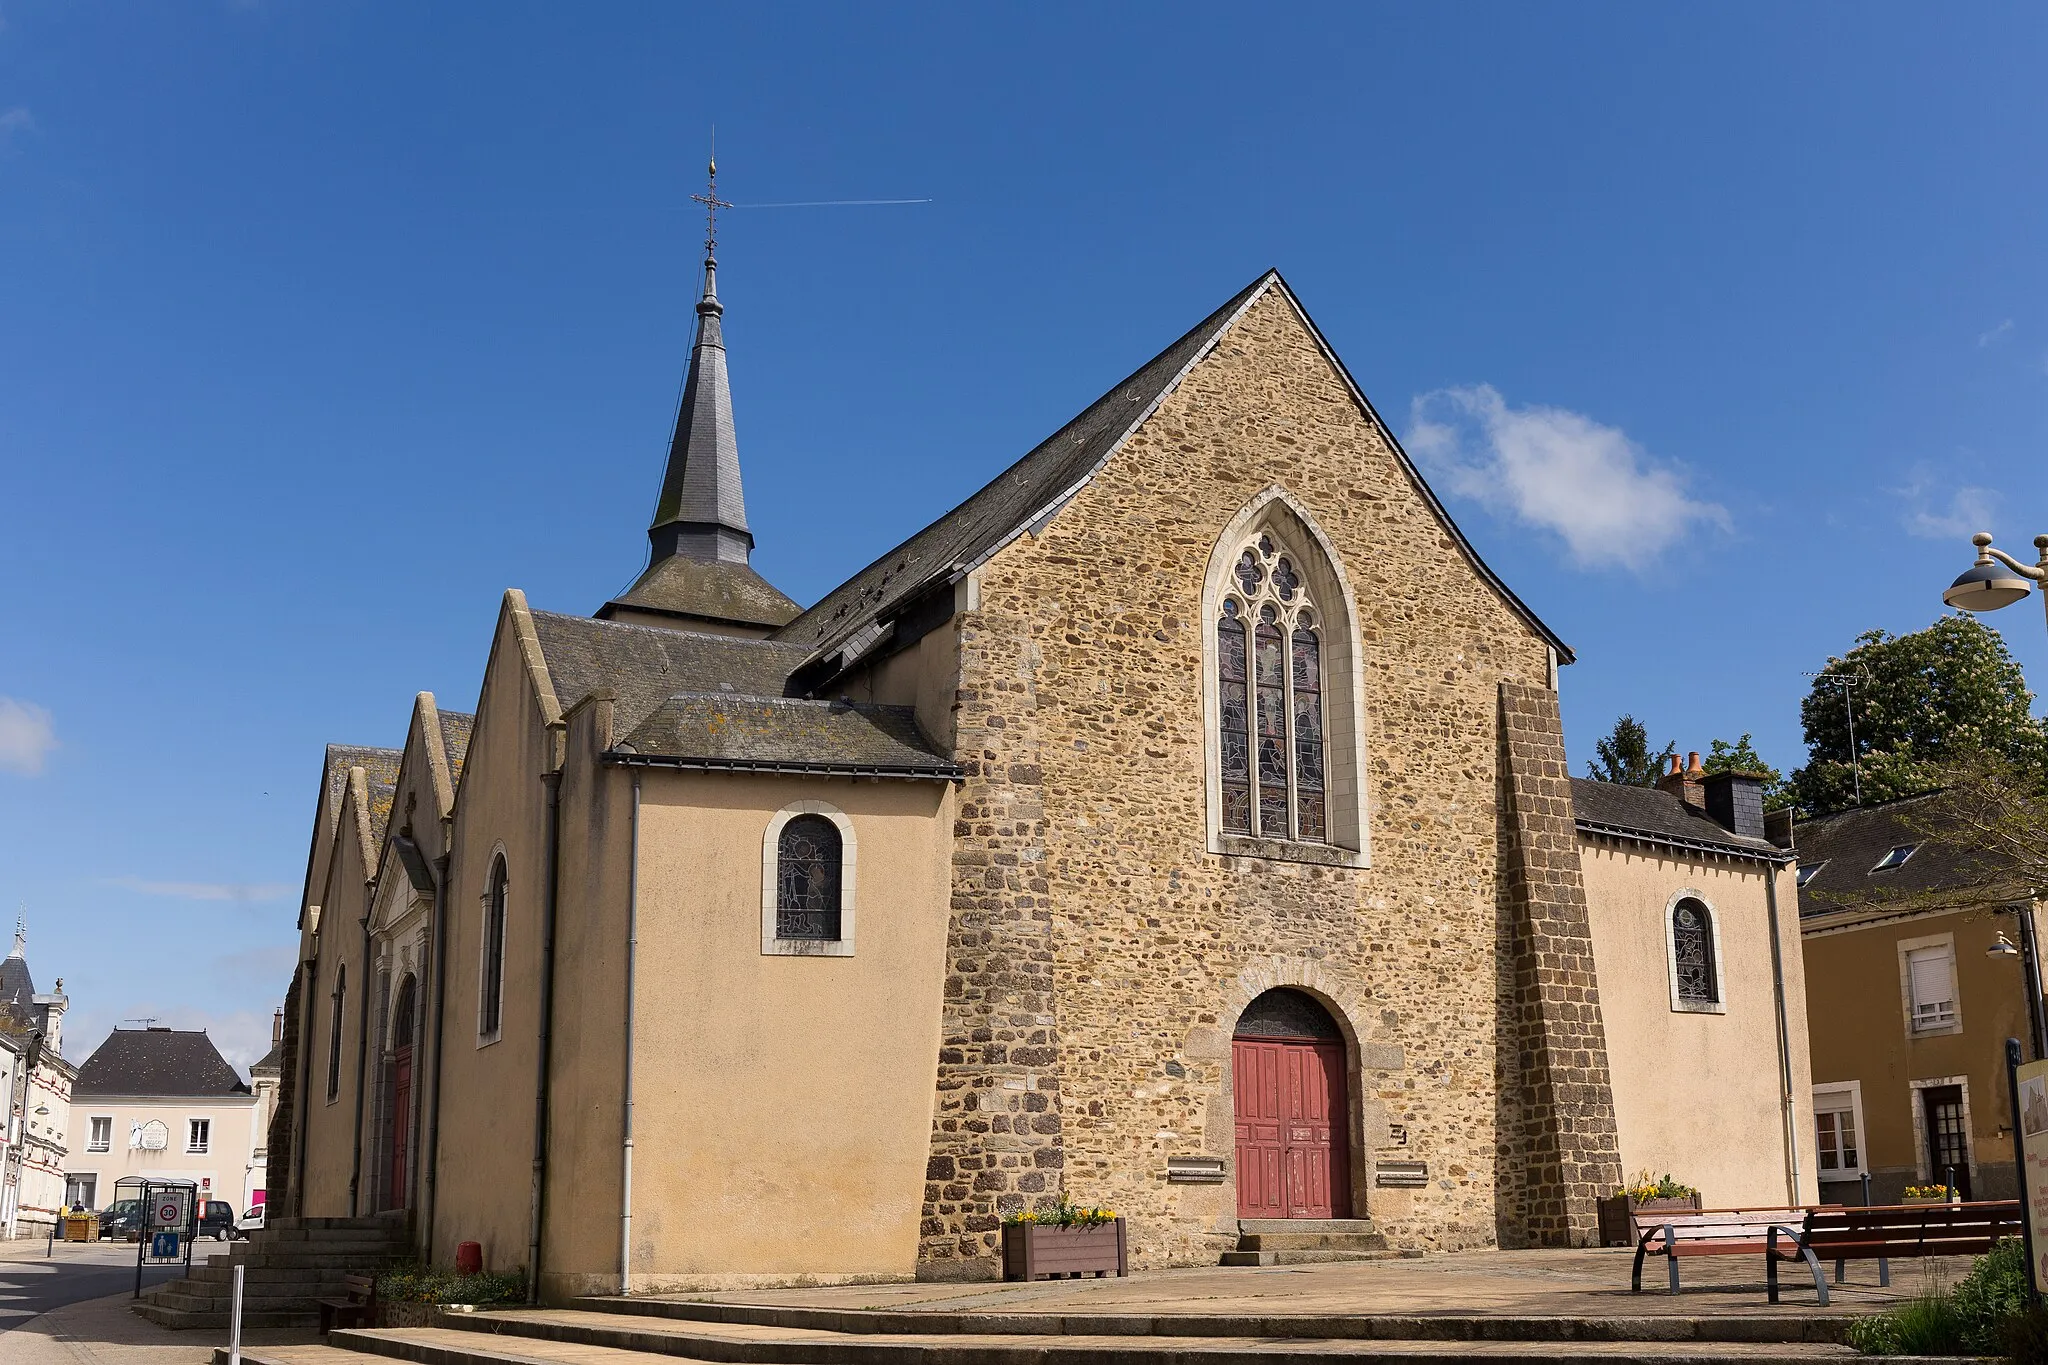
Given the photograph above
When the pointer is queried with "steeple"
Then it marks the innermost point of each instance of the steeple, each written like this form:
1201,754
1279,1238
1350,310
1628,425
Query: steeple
698,576
702,513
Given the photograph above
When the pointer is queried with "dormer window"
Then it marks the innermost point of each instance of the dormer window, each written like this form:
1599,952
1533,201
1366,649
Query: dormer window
1896,858
1807,871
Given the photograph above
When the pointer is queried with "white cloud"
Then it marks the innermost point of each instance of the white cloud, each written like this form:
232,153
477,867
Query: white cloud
1559,470
27,735
1995,335
242,892
1968,509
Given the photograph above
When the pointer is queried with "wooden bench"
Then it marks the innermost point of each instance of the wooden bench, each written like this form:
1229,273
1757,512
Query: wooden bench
357,1306
1710,1232
1882,1232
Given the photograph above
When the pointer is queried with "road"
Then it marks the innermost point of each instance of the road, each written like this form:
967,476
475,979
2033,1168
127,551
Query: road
33,1285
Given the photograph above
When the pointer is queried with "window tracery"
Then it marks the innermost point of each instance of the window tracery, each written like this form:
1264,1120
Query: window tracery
807,879
1270,688
1692,952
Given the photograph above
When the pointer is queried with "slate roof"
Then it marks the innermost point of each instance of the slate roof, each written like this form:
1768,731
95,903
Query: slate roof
717,590
646,665
182,1063
1850,843
456,728
342,757
272,1062
723,730
17,985
1658,816
381,769
1035,486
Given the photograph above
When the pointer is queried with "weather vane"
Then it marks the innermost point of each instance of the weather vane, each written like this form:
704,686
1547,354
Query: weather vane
712,204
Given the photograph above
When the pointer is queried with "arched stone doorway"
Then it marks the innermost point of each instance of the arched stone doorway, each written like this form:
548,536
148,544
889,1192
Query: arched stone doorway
1292,1105
398,1100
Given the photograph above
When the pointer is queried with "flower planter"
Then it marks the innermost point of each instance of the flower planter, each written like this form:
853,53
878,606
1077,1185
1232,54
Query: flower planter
405,1313
1617,1214
1031,1252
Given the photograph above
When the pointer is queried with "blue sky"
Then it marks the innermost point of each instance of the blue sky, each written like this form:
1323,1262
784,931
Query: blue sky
320,325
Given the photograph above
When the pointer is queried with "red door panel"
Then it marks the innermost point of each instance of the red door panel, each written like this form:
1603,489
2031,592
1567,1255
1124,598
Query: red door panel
1292,1146
401,1124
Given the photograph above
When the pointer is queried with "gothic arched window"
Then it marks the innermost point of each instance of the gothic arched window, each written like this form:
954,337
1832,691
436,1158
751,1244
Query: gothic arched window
807,877
1269,676
490,1011
1692,953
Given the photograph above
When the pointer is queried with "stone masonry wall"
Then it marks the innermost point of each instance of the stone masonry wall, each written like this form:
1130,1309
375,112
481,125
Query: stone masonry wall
1559,1126
279,1190
1101,953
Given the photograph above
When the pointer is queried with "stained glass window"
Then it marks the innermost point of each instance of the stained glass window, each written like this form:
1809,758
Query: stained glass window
1692,951
491,1007
807,879
1270,740
1235,735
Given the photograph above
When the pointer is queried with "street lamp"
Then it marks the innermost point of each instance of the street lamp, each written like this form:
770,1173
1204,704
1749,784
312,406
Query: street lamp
2030,969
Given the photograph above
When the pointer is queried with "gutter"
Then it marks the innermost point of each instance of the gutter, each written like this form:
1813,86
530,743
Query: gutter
1785,1096
936,772
537,1201
355,1161
626,1145
1678,841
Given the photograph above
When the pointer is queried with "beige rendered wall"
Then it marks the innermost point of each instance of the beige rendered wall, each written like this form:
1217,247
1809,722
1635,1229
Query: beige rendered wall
224,1167
1664,1061
485,1165
329,1136
1860,1034
783,1103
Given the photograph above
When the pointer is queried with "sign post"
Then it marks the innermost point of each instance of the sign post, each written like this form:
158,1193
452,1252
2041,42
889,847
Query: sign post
2028,1092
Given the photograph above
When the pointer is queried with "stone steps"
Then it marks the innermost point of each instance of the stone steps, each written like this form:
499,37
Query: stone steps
286,1269
569,1337
1305,1241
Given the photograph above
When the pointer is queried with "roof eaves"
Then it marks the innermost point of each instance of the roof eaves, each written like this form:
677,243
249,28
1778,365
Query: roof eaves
1745,852
933,772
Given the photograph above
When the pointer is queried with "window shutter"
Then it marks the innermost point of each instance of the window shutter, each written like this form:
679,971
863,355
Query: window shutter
1933,984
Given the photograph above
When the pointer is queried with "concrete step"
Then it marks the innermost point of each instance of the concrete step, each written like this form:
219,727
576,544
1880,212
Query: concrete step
1257,1258
1359,1227
1785,1327
489,1339
288,1274
1311,1241
165,1297
179,1320
320,1257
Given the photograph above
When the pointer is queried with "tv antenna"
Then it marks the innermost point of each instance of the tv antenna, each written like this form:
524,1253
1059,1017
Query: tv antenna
1848,678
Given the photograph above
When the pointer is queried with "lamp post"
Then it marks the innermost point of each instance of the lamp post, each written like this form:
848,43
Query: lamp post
1998,580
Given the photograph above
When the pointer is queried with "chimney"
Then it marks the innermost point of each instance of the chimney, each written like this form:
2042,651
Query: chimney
1736,803
277,1027
1687,782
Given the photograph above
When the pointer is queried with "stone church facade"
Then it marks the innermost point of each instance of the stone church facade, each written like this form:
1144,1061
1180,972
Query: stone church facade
1181,824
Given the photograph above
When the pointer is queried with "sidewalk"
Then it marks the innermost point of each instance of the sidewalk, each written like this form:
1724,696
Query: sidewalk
104,1332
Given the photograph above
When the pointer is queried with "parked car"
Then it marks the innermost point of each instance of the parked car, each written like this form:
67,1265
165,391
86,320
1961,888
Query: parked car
217,1219
252,1221
121,1220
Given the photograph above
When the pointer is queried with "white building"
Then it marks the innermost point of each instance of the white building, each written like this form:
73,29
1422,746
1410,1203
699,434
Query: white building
163,1102
38,1087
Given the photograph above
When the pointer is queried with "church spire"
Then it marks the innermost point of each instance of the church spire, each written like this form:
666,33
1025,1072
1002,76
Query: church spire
702,514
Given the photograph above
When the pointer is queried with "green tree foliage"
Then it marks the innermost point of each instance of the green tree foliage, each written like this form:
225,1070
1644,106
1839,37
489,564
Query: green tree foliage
1922,701
1625,756
1742,757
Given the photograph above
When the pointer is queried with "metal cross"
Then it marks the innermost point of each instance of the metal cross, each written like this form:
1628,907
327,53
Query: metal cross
712,204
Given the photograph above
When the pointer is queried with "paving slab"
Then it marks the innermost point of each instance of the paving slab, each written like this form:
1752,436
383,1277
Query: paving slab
105,1332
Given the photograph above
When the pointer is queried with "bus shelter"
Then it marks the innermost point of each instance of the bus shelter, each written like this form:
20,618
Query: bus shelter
166,1217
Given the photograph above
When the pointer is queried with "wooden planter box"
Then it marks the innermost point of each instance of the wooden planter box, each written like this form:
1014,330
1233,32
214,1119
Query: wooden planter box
1618,1211
1031,1252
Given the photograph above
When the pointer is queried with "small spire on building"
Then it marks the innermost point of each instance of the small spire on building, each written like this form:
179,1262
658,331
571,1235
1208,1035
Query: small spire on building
20,935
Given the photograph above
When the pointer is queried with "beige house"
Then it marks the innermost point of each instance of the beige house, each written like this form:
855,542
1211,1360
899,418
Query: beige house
163,1102
729,942
1912,1006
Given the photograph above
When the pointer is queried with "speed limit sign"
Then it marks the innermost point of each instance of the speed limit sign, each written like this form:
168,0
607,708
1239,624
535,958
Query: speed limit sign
169,1213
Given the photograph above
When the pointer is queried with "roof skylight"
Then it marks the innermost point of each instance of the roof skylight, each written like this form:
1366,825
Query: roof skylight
1807,870
1896,858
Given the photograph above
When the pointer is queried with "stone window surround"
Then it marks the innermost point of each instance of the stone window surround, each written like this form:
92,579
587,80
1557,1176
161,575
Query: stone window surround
771,849
485,1039
1842,1097
1679,1005
1343,684
1906,946
1922,1158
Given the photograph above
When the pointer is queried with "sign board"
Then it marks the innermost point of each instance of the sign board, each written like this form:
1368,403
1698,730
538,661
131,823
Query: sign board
163,1246
2033,1121
152,1136
167,1210
1400,1175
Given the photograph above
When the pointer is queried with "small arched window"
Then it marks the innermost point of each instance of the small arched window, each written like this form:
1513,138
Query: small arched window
337,1014
807,879
490,1014
1269,675
1692,953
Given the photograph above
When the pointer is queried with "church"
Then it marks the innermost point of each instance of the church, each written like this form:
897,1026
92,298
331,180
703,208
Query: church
1180,824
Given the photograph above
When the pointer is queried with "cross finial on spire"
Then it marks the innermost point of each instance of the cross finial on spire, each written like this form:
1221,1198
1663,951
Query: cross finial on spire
20,934
712,204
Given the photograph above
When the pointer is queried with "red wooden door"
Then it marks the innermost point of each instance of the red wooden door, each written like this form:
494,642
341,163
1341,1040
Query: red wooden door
1292,1146
401,1124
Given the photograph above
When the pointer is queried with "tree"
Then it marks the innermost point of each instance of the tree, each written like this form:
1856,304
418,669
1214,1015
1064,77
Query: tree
1922,703
1625,756
1742,757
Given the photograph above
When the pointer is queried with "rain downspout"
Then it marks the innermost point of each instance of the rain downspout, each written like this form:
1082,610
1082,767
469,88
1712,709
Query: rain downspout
1785,1097
537,1200
431,1139
355,1161
632,951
